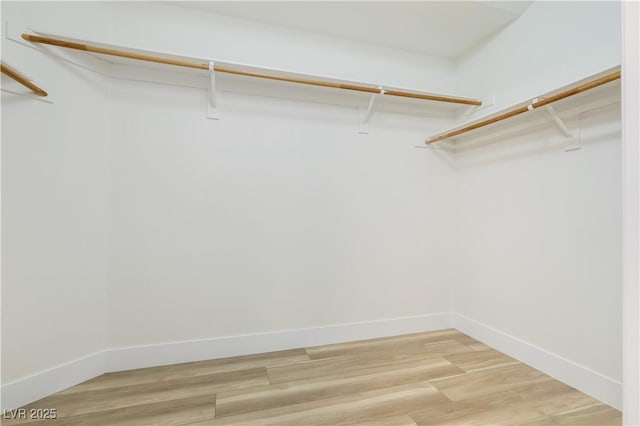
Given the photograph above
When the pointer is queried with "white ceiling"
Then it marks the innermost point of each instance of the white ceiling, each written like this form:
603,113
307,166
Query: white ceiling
447,28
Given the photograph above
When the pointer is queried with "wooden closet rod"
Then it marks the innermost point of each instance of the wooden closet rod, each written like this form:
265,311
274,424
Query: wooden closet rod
229,70
537,104
10,72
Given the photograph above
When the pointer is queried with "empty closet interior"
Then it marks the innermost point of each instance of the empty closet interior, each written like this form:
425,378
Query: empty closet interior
190,181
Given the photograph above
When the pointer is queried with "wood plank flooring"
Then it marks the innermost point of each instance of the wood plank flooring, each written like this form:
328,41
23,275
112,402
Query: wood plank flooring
437,378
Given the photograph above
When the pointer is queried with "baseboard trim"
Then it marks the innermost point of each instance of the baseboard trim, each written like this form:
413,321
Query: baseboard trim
577,376
127,358
38,385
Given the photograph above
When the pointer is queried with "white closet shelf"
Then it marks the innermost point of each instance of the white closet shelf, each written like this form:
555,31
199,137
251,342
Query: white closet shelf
280,78
546,100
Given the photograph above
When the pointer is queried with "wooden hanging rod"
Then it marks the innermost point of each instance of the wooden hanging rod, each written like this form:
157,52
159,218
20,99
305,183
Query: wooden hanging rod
229,70
10,72
537,104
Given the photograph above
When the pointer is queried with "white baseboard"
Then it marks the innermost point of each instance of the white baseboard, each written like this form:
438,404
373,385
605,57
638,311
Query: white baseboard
36,386
20,392
127,358
31,388
582,378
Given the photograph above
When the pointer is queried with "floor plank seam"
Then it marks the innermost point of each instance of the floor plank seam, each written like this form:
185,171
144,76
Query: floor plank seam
412,418
269,379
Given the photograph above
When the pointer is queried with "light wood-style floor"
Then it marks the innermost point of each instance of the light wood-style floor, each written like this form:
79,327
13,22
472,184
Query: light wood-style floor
437,378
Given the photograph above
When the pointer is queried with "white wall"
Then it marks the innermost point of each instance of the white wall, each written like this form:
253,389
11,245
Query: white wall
54,204
540,243
280,215
195,33
540,234
552,44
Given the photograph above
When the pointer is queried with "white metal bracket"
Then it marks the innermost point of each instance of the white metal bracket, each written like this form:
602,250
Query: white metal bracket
366,114
212,108
563,127
574,143
554,115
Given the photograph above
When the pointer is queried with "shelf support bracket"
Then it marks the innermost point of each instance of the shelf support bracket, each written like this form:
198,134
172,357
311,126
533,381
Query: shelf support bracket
572,144
563,127
554,115
366,115
212,108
